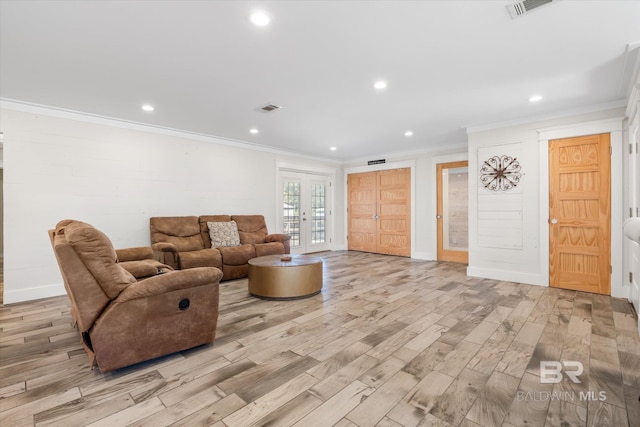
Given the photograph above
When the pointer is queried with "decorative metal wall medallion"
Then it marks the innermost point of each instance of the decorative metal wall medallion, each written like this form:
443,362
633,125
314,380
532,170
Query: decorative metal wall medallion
500,173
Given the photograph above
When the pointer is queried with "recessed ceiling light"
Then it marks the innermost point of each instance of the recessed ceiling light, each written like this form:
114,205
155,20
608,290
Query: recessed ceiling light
147,107
253,131
408,133
259,18
380,84
535,98
333,148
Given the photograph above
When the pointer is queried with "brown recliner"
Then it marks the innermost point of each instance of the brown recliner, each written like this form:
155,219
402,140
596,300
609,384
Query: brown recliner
123,320
184,242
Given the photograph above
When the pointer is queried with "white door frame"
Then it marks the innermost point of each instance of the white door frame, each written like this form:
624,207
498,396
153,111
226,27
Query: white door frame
330,173
613,126
632,192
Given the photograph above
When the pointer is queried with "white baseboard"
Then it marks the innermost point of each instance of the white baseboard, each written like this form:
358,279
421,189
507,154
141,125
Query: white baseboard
506,275
426,256
12,296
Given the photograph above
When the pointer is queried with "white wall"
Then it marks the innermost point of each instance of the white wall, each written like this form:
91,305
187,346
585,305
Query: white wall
529,263
115,177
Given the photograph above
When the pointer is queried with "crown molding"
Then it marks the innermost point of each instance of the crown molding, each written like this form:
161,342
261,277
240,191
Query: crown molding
26,107
618,103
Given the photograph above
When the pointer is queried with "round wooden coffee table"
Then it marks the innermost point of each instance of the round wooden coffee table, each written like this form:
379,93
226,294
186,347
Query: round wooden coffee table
272,278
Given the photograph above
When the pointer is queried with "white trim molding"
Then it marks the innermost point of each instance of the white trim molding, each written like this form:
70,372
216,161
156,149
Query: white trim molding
44,110
509,276
12,296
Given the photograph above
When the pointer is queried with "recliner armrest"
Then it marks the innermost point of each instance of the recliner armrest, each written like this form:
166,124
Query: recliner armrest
166,253
134,254
168,282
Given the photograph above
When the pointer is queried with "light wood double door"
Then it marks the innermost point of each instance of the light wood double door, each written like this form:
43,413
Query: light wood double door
379,212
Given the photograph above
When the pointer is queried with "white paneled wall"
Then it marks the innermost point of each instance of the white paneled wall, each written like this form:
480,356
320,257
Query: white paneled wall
509,237
500,213
114,178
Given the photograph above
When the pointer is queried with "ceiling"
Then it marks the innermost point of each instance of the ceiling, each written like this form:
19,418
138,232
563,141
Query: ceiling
206,68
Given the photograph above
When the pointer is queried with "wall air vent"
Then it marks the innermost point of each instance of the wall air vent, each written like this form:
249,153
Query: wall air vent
520,8
269,108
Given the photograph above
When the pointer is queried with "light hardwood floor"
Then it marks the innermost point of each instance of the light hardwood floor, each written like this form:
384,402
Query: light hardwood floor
390,341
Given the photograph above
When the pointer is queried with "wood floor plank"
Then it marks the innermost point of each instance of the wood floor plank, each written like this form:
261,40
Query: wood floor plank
331,411
420,400
492,405
374,408
212,414
389,341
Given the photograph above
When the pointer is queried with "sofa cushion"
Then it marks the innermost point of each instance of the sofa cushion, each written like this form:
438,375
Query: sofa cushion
181,231
223,234
252,228
202,258
237,255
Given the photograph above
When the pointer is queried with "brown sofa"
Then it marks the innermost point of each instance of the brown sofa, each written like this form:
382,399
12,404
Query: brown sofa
123,320
184,242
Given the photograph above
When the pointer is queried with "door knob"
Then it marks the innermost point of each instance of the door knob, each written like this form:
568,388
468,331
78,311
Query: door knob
554,220
438,217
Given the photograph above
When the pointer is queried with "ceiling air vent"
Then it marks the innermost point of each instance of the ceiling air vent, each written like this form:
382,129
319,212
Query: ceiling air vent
269,108
519,9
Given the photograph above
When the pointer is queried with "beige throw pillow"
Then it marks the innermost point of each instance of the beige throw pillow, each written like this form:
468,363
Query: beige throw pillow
223,234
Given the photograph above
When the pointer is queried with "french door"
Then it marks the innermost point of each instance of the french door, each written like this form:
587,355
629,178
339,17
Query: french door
305,214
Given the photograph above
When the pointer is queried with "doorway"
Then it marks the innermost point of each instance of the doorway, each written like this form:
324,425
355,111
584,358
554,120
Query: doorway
305,211
580,213
452,211
379,211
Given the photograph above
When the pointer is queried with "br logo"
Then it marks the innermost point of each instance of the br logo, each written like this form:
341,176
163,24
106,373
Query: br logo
551,371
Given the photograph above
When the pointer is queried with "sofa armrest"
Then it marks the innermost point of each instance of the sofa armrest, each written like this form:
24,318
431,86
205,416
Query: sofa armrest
285,239
134,254
166,253
172,281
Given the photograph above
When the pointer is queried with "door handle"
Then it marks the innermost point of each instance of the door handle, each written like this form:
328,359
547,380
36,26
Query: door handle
438,217
554,220
375,216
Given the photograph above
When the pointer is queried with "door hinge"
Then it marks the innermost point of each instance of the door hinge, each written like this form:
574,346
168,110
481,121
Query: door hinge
630,277
611,269
610,151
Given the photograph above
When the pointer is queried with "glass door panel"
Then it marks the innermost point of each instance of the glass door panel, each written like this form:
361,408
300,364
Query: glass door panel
305,211
453,211
291,211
